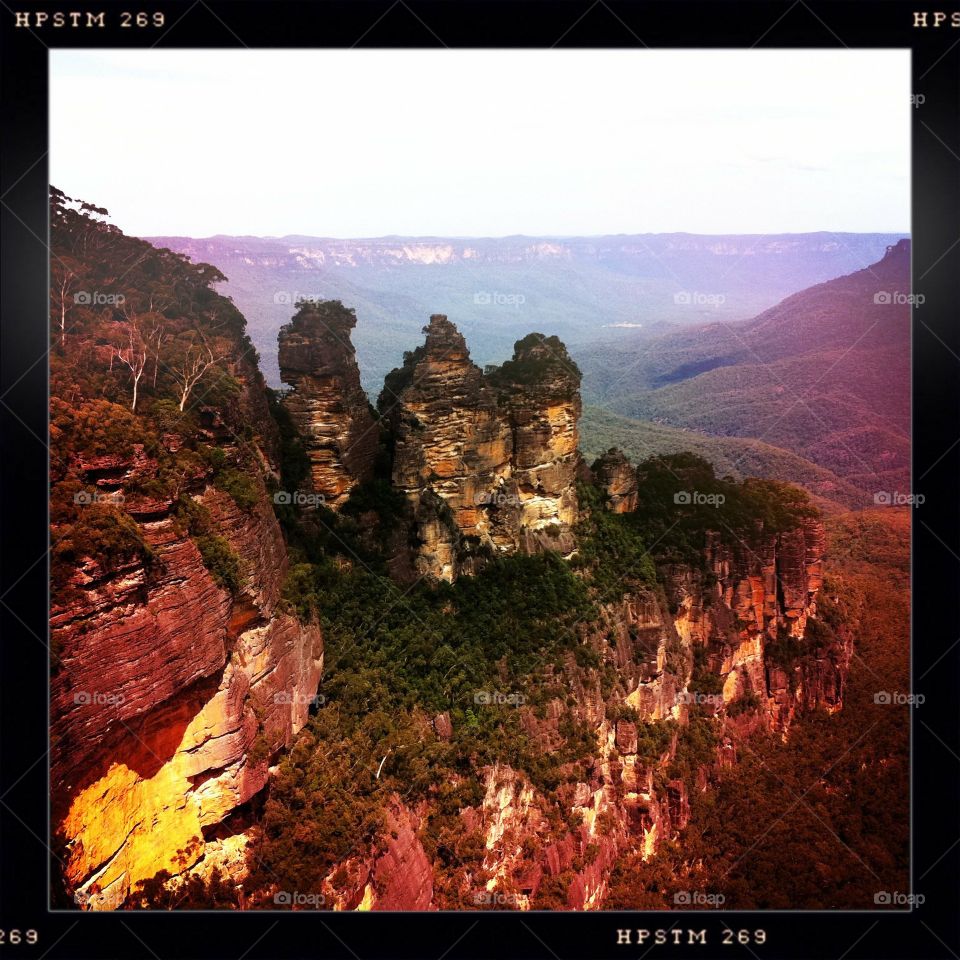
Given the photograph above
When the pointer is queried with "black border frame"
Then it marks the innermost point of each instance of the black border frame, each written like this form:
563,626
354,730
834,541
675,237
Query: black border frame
929,931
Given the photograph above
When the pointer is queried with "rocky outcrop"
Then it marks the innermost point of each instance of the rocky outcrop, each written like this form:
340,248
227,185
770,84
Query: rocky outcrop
486,461
618,479
452,452
171,692
540,390
751,614
327,403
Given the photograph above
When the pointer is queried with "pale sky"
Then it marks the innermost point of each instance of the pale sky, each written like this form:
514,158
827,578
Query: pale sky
363,143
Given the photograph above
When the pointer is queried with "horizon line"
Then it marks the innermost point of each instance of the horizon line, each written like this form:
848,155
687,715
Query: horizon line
521,236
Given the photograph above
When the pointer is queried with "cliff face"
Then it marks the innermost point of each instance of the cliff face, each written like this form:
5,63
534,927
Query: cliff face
486,461
752,621
618,478
557,850
177,675
327,403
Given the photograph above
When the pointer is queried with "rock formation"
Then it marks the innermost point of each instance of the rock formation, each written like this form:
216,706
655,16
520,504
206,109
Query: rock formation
453,449
618,478
752,620
327,403
487,461
540,389
171,693
627,798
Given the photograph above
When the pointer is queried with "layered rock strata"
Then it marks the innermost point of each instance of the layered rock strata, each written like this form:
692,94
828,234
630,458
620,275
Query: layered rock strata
751,615
327,403
171,693
487,461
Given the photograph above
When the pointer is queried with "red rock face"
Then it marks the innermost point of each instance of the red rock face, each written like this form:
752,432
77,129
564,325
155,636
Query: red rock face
398,875
402,875
328,404
131,647
767,591
167,685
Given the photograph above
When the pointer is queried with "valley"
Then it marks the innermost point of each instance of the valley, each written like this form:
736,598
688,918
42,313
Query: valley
610,289
422,631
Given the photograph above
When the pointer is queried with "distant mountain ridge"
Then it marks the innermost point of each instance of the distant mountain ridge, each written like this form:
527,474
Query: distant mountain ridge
583,289
825,373
738,457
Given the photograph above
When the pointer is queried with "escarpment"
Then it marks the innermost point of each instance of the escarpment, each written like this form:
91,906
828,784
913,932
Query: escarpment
327,403
172,690
669,682
177,674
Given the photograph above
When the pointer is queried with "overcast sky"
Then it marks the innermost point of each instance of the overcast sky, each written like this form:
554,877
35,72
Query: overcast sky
360,143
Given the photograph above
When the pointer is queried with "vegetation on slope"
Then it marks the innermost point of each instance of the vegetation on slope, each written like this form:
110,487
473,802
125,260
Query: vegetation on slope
739,457
820,821
824,374
146,368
